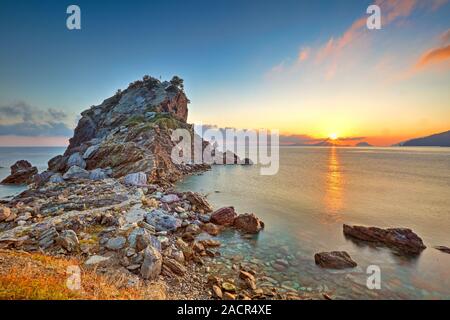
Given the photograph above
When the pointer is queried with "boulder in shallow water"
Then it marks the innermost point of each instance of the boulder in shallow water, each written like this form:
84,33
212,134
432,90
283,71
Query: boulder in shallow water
136,179
443,249
22,172
249,222
224,216
405,240
334,260
76,172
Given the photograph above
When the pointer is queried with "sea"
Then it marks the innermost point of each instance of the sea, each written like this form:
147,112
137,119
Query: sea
316,191
37,156
304,207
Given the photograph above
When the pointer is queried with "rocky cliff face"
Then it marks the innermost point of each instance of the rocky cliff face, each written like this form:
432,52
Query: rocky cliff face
130,132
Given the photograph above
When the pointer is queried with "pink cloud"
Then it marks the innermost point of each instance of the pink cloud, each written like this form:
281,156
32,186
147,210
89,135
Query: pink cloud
433,56
304,54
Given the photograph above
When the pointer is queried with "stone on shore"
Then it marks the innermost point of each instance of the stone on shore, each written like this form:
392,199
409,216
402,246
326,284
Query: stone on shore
56,178
90,151
68,240
174,266
99,174
76,160
41,178
116,243
22,172
170,198
334,260
162,221
95,259
136,179
198,201
151,266
76,172
402,239
224,216
249,223
5,212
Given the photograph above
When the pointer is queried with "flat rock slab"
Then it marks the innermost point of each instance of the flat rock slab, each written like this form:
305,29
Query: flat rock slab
95,260
402,239
443,249
334,260
135,214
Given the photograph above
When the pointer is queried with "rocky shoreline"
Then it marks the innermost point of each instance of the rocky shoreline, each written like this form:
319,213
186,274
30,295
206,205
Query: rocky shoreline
109,203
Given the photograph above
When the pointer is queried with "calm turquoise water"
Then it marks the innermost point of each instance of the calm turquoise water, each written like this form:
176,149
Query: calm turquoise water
317,190
37,156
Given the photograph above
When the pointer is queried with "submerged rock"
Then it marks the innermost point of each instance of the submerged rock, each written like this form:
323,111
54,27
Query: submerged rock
402,239
224,216
249,222
22,172
334,260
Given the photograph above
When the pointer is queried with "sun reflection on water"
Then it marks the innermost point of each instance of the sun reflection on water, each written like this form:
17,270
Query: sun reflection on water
334,187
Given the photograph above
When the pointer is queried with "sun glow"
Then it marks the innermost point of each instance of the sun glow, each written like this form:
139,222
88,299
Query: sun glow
333,136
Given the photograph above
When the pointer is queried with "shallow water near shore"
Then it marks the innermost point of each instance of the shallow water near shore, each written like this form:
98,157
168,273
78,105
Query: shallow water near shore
315,192
37,156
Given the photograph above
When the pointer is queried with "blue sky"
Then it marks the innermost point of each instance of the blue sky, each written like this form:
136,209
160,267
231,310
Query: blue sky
225,51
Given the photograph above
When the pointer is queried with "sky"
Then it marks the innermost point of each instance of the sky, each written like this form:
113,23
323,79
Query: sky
310,69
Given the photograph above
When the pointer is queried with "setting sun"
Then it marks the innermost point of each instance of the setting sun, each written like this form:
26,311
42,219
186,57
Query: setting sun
333,136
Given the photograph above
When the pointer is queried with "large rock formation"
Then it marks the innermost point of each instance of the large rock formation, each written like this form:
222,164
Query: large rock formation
131,132
22,172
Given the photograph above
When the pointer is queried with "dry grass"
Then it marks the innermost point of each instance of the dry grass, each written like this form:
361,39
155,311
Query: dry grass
40,277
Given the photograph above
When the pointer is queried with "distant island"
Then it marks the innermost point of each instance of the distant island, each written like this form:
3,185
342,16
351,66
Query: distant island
435,140
363,144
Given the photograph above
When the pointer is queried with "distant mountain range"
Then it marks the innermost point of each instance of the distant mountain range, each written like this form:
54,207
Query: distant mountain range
435,140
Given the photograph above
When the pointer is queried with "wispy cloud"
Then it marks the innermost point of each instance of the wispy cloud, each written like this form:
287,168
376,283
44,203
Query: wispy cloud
21,119
435,55
340,51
